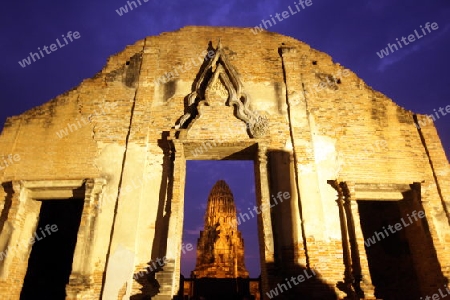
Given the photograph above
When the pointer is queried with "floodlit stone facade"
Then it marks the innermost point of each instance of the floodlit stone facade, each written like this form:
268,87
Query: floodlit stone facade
220,248
353,162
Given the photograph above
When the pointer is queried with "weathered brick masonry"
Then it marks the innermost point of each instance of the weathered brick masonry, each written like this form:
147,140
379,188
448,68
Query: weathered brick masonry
310,123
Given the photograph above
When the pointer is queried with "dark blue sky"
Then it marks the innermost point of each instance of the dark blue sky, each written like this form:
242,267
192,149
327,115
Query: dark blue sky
415,77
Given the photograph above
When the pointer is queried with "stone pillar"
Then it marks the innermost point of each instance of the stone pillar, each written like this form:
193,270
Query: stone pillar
10,209
81,283
357,281
18,229
346,285
169,277
363,289
268,278
357,240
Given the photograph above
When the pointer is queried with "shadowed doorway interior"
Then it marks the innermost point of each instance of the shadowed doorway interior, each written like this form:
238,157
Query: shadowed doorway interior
390,262
50,261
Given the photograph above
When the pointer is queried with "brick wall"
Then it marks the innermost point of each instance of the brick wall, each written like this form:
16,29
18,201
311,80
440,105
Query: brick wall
116,123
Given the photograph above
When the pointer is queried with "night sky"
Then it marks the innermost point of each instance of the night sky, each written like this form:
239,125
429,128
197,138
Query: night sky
416,76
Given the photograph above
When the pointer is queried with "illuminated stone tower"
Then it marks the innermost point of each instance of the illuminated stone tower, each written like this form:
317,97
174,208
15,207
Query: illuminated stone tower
220,248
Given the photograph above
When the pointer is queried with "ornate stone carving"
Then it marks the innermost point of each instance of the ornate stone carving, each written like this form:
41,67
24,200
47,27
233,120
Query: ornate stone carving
258,126
224,88
216,93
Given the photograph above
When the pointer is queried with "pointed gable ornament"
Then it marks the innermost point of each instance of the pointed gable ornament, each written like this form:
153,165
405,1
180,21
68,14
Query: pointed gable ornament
219,85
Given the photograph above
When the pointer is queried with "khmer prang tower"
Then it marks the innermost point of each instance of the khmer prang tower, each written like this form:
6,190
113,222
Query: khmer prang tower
220,248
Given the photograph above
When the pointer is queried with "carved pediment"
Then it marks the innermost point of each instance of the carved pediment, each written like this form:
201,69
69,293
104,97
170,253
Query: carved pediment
219,85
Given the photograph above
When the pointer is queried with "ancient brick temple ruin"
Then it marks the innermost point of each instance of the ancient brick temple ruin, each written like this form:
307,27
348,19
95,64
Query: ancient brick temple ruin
220,248
220,271
105,163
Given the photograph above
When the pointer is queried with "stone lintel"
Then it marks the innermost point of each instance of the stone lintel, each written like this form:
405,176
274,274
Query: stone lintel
380,191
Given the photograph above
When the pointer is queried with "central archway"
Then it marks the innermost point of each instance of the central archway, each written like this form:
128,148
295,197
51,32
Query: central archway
238,151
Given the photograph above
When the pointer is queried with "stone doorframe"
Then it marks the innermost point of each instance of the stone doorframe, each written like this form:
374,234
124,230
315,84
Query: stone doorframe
255,150
357,280
23,216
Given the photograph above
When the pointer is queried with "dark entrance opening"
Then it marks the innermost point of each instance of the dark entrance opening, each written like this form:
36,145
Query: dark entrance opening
389,254
222,288
50,262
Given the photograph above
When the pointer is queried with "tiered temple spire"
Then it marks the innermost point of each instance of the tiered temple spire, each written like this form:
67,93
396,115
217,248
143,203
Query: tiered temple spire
220,248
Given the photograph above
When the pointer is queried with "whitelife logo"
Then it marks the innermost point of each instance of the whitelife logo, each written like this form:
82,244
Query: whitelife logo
437,296
281,287
8,160
124,9
53,47
49,229
423,123
281,196
192,63
398,226
72,127
283,16
411,38
161,262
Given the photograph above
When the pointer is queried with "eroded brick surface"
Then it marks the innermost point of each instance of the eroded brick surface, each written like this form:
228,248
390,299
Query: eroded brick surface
322,123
